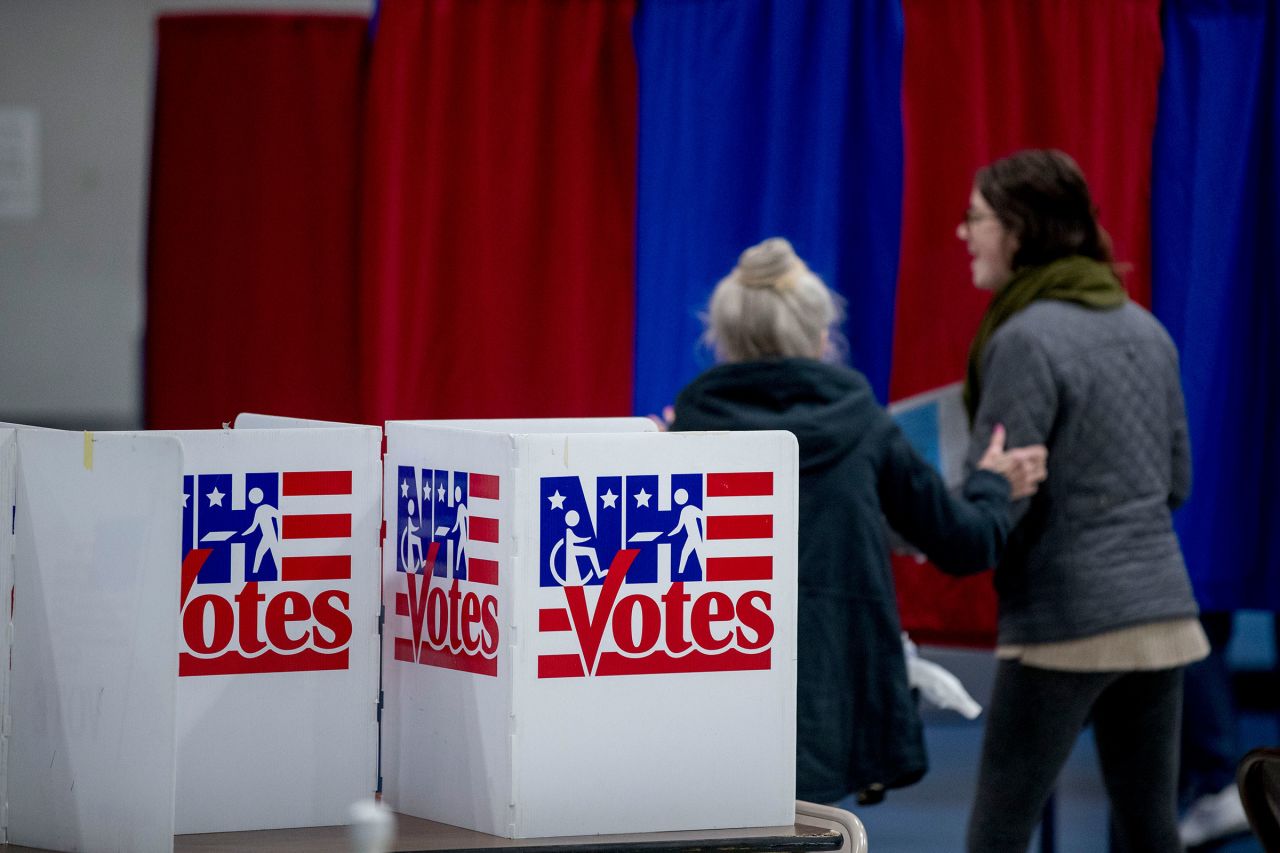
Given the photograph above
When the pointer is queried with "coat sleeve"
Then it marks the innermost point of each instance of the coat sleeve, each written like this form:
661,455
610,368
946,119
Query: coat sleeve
961,534
1019,390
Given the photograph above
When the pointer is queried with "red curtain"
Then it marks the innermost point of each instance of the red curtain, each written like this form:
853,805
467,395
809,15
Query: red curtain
981,79
251,267
498,210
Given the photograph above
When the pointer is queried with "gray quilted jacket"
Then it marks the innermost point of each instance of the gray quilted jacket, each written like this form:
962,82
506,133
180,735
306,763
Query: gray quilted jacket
1094,549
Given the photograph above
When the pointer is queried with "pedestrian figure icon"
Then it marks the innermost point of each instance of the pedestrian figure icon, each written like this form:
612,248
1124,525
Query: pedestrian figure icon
266,520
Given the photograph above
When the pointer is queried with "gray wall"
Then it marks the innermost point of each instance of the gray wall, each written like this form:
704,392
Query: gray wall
71,277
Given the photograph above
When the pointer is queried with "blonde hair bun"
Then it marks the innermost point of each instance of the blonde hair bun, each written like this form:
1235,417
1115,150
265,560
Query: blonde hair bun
771,306
770,263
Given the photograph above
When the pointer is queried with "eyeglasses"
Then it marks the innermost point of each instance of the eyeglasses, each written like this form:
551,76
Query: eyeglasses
973,216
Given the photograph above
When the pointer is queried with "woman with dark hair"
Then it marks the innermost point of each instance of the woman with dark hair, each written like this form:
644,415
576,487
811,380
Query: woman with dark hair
770,322
1096,613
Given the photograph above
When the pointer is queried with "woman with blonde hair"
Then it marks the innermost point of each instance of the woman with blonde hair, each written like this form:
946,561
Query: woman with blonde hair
771,321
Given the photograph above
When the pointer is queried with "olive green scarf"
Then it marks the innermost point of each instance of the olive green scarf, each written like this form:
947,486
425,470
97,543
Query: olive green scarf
1072,279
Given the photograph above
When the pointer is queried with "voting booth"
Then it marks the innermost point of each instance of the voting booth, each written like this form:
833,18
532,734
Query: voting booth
590,626
278,632
936,424
96,522
194,636
8,484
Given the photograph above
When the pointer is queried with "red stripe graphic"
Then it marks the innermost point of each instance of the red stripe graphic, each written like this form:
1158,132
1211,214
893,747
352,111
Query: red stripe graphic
233,663
332,526
612,663
739,568
740,527
402,605
483,486
336,568
559,666
482,571
483,529
740,484
316,483
554,620
460,661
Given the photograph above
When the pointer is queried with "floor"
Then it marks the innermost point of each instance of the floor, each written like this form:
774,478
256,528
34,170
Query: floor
930,816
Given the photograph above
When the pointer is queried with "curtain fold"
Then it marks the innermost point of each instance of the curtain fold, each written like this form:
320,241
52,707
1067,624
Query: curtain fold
251,246
498,223
981,79
520,208
1216,222
761,118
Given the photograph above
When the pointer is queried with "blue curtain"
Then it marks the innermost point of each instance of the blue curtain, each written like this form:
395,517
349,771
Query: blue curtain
761,118
1216,287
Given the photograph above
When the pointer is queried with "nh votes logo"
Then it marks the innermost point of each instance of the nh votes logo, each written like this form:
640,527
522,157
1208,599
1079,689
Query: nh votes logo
648,574
447,556
266,571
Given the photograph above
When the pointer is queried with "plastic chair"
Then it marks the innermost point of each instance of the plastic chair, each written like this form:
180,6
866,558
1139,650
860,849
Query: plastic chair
1258,778
829,817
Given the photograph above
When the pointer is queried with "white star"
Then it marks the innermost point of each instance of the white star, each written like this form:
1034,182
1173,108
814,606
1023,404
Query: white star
426,493
441,491
184,499
642,497
557,500
215,497
609,498
404,488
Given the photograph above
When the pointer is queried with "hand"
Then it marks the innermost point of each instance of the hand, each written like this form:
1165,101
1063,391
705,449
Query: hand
1023,467
664,422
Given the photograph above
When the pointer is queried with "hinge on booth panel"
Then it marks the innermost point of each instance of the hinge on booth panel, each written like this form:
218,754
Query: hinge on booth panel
382,533
382,617
514,538
384,445
512,799
381,699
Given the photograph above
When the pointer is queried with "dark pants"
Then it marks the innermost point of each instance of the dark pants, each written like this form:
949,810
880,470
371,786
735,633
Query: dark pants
1209,752
1034,719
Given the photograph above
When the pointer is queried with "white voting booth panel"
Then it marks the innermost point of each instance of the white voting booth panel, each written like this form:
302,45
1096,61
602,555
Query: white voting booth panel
277,648
535,426
589,632
96,523
8,509
251,420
